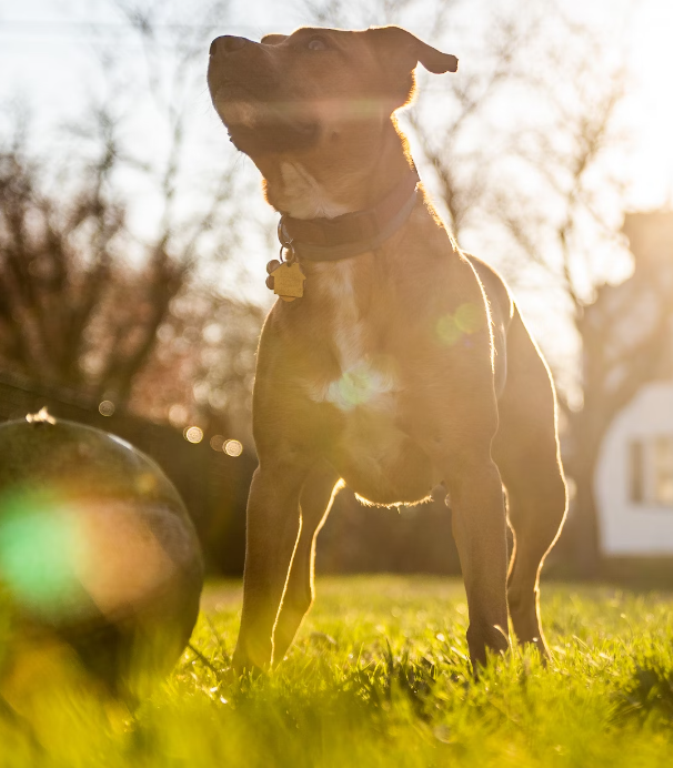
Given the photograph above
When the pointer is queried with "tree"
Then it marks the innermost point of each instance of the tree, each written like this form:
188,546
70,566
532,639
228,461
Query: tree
89,300
559,211
626,337
60,317
203,365
564,236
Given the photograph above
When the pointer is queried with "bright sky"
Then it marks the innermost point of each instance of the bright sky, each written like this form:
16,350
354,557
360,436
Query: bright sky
652,112
46,59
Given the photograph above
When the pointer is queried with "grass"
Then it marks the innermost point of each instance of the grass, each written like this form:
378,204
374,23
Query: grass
379,677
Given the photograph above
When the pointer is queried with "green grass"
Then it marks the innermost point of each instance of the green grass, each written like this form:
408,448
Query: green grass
379,677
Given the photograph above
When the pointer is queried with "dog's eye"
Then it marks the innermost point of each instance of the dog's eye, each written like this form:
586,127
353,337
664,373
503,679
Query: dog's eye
316,44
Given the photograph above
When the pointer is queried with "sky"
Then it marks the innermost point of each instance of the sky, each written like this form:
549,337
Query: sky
46,58
48,51
652,110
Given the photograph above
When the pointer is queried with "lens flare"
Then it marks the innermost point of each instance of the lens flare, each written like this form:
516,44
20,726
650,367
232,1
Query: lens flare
63,560
452,328
40,544
359,385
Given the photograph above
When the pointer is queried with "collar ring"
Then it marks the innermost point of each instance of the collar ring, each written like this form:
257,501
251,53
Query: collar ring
286,244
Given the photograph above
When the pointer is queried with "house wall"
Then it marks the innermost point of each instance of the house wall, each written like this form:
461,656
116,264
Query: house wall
625,527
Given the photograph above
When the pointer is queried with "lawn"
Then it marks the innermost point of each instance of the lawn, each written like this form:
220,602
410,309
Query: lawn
379,677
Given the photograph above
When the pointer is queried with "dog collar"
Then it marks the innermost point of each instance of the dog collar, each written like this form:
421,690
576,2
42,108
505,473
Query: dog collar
352,233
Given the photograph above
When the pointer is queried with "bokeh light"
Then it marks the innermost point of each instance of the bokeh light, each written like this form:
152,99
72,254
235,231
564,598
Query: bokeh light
178,415
232,448
217,442
106,408
193,434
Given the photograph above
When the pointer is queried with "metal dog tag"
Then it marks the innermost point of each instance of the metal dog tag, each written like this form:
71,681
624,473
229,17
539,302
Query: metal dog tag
288,281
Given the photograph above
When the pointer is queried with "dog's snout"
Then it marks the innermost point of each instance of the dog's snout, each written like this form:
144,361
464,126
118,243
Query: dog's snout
228,44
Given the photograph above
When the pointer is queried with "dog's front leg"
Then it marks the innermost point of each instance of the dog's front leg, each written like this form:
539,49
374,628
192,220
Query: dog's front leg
477,504
273,527
316,500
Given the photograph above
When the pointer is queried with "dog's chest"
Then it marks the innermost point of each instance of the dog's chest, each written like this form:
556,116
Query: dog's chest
365,384
367,378
347,319
370,450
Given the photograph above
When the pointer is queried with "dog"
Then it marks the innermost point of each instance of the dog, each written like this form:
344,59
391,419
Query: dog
401,363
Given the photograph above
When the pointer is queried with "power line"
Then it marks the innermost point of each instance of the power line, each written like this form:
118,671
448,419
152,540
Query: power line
51,25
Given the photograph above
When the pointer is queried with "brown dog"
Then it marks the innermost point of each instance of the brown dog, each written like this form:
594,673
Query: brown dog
406,362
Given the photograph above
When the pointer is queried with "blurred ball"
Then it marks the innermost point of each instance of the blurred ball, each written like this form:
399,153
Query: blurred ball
97,553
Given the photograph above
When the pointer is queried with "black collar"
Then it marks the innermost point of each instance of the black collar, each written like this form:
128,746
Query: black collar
353,233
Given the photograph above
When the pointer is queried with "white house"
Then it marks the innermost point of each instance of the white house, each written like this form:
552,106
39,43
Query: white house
634,477
633,482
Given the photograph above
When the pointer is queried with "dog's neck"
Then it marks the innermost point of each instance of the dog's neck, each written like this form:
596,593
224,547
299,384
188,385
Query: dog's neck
293,188
300,195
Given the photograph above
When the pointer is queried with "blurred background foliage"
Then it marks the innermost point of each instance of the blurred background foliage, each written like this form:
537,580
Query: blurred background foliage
132,243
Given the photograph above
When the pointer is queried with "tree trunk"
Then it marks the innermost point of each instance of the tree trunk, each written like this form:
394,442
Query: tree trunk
586,545
588,428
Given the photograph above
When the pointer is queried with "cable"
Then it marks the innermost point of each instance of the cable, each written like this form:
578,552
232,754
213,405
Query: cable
111,25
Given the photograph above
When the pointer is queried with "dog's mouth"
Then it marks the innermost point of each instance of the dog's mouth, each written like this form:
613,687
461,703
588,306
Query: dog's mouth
261,124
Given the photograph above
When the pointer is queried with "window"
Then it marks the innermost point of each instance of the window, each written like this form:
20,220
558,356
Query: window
637,473
650,474
663,470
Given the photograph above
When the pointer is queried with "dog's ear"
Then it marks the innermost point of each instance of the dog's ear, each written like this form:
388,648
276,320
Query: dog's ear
273,39
395,43
400,52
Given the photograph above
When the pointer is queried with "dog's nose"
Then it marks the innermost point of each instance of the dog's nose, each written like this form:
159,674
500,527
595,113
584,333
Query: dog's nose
227,44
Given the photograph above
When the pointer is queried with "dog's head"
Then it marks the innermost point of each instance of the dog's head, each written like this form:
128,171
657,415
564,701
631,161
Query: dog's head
315,88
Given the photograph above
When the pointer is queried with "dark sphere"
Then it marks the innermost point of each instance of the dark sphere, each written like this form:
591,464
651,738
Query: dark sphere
97,548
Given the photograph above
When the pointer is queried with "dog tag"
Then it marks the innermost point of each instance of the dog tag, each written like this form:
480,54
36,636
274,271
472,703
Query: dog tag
288,281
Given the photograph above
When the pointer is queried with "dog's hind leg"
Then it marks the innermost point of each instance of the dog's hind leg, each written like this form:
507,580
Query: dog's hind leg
273,527
317,496
535,517
527,453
